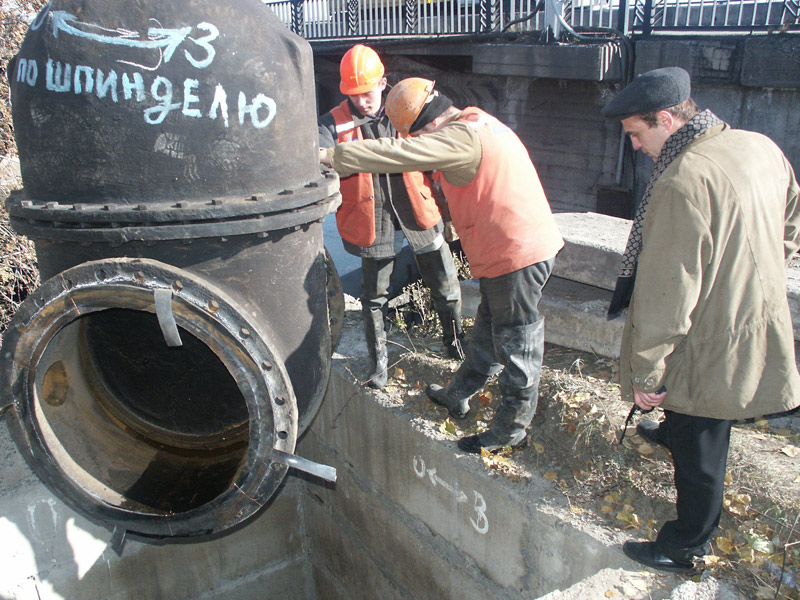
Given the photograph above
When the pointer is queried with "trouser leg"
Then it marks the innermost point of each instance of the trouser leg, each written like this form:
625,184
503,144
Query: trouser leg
439,274
520,350
511,302
699,452
375,280
478,366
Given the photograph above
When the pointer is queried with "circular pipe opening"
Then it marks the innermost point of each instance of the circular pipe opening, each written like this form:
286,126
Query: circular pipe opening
132,428
141,425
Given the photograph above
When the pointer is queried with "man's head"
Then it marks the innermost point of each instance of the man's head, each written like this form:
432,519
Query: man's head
414,107
362,79
653,107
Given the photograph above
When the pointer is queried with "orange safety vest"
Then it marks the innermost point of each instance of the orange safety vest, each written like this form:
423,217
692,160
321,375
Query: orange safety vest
356,216
502,216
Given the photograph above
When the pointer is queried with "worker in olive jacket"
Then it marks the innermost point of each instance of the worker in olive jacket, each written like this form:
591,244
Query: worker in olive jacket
507,231
708,336
379,210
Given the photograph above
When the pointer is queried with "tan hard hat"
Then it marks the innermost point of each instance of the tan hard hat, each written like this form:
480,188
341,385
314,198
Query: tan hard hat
406,100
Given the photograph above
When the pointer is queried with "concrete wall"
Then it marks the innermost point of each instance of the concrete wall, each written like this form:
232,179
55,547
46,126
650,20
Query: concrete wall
410,517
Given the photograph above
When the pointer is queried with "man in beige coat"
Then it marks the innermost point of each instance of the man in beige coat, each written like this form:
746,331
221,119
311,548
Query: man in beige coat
708,336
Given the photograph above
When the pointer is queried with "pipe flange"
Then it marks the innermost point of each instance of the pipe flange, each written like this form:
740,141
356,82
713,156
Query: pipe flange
53,402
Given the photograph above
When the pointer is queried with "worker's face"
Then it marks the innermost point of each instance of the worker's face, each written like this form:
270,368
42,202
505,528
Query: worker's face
649,140
369,103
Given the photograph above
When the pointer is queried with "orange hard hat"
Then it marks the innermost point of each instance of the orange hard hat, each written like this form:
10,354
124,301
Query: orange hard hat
361,70
406,100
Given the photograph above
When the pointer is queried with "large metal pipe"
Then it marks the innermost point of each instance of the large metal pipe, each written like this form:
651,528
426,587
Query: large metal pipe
180,342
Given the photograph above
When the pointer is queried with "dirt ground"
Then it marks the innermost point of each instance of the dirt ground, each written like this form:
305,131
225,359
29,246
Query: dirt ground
574,444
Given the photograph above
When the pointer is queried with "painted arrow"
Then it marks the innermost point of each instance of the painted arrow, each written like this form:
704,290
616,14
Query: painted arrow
435,479
158,37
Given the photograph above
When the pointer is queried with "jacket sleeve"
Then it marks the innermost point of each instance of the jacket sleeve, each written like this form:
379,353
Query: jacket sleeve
327,131
455,149
677,243
791,231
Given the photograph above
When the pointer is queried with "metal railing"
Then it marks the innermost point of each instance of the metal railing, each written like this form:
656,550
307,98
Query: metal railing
343,19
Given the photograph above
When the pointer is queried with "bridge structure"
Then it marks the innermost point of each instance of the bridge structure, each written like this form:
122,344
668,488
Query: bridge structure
328,20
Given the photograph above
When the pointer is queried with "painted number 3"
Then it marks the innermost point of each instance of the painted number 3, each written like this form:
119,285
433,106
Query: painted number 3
480,522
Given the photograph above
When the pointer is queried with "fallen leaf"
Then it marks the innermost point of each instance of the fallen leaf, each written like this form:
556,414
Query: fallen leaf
605,509
710,561
448,427
399,374
725,545
791,451
576,510
538,447
758,542
761,423
610,593
550,476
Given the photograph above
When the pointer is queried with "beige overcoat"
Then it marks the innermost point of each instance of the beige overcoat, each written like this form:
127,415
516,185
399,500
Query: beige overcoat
709,318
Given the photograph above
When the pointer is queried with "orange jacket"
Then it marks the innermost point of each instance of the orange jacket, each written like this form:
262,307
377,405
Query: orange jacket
356,216
502,216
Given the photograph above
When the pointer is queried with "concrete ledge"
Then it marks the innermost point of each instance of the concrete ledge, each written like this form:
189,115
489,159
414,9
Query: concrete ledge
593,248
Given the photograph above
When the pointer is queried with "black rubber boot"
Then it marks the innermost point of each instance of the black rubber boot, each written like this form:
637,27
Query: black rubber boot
376,344
455,397
521,349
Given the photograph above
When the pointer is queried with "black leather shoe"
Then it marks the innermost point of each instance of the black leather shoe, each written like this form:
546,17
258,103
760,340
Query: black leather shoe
438,395
474,443
648,431
647,554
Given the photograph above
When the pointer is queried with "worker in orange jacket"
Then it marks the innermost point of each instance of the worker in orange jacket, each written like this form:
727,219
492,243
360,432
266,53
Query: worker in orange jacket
378,211
507,231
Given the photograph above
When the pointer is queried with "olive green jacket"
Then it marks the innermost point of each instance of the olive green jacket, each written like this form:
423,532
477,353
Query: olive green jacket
709,318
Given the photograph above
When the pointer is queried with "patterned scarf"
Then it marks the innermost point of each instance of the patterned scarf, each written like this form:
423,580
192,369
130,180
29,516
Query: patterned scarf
673,146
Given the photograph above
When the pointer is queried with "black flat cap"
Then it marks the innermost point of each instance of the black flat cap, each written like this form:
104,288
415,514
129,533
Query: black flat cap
654,90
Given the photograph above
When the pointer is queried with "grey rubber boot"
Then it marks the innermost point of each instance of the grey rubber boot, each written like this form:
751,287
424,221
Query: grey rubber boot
478,366
376,345
521,350
455,397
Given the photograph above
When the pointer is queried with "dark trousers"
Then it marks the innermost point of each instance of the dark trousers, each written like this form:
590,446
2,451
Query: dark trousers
508,338
699,448
438,273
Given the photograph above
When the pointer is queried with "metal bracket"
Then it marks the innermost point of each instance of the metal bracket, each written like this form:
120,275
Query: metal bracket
303,464
166,320
117,542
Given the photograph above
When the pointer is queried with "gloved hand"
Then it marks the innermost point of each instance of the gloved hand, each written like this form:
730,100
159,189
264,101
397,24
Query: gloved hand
324,157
